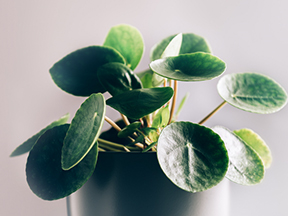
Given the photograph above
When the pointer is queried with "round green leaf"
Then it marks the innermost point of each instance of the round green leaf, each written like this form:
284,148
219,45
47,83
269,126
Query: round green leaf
190,43
84,130
252,92
161,119
138,103
43,169
257,144
28,144
173,47
150,79
189,67
245,166
117,78
192,156
128,41
129,129
76,73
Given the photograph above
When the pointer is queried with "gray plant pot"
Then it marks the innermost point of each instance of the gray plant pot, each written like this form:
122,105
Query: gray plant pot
132,184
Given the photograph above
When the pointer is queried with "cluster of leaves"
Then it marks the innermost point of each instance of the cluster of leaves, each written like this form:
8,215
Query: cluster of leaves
62,156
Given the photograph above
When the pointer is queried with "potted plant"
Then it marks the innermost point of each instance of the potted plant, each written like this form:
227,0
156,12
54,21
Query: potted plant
148,138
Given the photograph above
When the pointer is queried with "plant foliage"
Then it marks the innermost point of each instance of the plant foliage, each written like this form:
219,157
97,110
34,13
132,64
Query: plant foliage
63,156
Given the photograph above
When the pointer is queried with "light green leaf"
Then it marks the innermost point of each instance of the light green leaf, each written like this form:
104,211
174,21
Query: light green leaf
76,73
138,103
150,79
189,67
173,47
192,156
128,41
180,106
28,144
149,147
245,166
161,119
190,43
84,130
257,144
117,78
129,129
43,169
252,92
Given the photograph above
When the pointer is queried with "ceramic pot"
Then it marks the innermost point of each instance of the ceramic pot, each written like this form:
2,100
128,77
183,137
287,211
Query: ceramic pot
133,184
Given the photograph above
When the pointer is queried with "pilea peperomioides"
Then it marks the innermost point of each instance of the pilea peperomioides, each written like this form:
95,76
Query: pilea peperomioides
63,156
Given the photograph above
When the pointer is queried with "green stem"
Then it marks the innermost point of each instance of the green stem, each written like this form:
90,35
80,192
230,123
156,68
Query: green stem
212,113
173,101
116,145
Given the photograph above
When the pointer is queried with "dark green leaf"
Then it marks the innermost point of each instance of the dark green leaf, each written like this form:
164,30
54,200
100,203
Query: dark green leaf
116,78
76,73
257,144
189,67
161,119
84,130
43,169
192,156
28,144
190,43
252,92
128,41
129,129
245,166
138,103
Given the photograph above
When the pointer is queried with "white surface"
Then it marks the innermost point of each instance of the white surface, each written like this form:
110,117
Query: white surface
249,35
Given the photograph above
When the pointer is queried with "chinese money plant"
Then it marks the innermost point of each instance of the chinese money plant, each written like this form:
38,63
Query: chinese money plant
63,156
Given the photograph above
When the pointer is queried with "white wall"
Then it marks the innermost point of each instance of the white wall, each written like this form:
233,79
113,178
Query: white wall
249,35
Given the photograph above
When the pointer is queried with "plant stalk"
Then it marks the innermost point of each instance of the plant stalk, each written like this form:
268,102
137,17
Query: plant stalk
212,113
116,145
173,101
125,119
112,123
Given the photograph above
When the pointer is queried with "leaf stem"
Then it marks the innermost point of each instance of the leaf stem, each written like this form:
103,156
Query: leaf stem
173,101
112,123
125,119
212,113
116,145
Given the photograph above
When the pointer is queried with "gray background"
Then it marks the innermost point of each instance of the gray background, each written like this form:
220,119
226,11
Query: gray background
249,35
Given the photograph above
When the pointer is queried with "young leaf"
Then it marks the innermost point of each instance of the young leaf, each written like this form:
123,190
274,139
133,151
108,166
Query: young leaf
257,144
252,92
173,47
189,67
149,147
138,103
161,119
128,41
150,79
43,169
181,106
245,166
116,78
28,144
84,130
76,73
192,156
129,129
190,43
